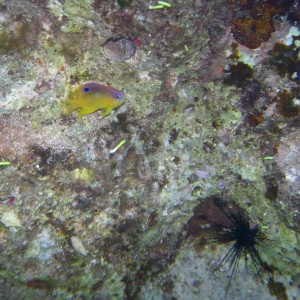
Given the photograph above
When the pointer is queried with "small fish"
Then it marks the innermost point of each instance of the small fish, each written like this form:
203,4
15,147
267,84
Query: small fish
90,97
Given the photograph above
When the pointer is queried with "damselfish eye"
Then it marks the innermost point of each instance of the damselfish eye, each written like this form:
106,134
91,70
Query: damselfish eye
118,98
86,89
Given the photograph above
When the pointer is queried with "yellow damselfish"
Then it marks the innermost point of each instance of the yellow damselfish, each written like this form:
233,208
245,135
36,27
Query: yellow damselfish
90,97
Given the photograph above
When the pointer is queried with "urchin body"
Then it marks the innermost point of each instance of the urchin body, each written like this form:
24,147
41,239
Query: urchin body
246,240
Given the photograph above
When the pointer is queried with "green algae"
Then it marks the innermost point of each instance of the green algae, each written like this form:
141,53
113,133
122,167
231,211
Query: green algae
83,175
170,137
79,15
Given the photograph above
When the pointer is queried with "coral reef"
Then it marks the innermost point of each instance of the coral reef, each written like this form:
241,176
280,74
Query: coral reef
212,108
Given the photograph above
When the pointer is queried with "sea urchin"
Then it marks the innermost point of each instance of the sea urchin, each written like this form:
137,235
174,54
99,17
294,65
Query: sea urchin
215,221
246,239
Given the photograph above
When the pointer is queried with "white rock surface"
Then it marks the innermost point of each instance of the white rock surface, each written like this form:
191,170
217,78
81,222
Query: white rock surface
10,219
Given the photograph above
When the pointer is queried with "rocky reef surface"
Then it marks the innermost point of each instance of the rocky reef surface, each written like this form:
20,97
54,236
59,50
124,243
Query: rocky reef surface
212,110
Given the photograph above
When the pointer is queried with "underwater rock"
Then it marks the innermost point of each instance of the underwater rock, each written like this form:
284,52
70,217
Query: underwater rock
43,247
10,219
119,50
288,158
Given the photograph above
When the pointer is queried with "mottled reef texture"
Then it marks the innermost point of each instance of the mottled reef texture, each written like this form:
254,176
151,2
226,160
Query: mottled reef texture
212,110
